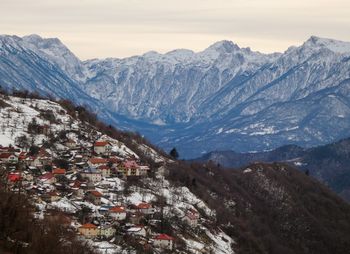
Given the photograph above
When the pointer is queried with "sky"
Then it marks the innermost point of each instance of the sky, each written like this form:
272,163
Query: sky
121,28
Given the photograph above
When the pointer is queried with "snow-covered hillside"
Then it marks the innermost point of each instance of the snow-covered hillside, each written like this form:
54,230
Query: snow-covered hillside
38,136
224,97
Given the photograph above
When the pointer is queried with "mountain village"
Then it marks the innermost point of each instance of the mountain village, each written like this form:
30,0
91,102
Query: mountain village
99,187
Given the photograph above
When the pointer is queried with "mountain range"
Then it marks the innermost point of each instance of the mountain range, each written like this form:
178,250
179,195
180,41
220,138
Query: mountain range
222,98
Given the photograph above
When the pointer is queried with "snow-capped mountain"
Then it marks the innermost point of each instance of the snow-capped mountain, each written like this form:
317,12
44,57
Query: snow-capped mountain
224,97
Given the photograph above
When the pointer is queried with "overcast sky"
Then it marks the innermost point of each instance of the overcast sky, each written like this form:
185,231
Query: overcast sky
119,28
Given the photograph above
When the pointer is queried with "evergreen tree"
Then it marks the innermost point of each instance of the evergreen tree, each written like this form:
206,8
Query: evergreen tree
173,153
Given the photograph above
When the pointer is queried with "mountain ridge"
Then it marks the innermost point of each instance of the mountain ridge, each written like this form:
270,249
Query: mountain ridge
327,163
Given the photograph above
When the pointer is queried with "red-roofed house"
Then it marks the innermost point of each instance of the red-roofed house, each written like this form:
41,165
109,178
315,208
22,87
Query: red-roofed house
59,171
130,168
102,147
8,158
163,241
117,212
94,197
88,230
105,170
96,161
145,208
48,178
14,177
22,156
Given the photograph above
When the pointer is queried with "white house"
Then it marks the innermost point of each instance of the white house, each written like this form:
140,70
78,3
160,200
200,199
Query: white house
105,170
117,212
145,208
163,241
102,147
92,175
137,231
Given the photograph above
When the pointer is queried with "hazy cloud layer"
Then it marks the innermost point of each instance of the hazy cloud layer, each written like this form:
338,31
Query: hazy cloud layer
103,28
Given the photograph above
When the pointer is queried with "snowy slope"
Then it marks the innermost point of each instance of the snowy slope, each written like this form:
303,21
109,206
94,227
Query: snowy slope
17,114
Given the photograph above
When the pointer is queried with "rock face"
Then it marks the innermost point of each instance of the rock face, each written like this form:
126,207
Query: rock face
224,97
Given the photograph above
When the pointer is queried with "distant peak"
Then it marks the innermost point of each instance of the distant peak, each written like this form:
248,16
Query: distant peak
331,44
224,46
32,37
151,54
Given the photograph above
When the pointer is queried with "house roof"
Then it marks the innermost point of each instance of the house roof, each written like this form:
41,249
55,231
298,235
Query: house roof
14,177
101,143
103,167
143,205
88,225
52,193
5,155
135,229
97,160
117,209
22,155
130,164
114,160
164,237
46,176
90,170
59,171
96,194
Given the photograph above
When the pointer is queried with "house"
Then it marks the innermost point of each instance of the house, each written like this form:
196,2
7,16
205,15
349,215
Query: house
145,208
130,168
78,188
191,217
144,170
105,170
106,231
71,144
91,174
114,161
58,171
94,197
8,158
88,230
14,177
47,178
104,209
137,231
97,161
103,147
117,212
22,156
38,161
163,241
